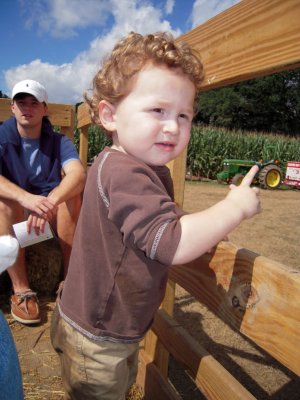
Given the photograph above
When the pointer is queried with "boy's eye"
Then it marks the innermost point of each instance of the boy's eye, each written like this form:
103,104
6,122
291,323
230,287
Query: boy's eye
184,116
158,110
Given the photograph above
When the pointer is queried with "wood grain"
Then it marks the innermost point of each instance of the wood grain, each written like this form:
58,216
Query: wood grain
251,39
209,375
253,294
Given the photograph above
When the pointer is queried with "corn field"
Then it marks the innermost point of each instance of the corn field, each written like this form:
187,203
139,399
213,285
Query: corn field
209,146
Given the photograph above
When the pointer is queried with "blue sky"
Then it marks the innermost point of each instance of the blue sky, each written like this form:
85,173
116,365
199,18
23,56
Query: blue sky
60,43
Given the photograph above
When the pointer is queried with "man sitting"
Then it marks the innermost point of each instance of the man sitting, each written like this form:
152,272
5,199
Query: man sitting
33,187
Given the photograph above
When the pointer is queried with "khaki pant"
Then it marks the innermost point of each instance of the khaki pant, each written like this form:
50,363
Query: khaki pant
90,369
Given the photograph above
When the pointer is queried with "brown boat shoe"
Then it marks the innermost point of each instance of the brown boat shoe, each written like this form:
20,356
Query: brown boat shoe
25,308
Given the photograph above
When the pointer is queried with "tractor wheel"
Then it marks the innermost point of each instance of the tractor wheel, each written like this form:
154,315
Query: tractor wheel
237,179
270,177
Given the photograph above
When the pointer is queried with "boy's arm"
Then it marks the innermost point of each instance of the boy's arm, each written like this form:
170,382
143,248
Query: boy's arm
202,230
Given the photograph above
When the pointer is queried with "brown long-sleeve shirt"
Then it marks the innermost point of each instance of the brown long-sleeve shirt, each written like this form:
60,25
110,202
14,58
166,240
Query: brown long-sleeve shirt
127,234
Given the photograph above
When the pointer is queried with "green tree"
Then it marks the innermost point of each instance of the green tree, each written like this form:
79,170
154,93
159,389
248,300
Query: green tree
270,104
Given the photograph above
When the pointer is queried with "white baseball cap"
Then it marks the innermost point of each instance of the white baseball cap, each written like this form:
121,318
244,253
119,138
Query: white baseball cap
31,87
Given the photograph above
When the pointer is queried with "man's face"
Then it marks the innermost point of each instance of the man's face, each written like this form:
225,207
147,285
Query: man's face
153,121
28,111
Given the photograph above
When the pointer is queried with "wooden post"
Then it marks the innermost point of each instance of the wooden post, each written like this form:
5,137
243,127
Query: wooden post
83,147
83,123
152,345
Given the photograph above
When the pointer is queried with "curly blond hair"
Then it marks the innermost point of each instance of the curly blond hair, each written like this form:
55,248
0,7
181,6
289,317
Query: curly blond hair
129,56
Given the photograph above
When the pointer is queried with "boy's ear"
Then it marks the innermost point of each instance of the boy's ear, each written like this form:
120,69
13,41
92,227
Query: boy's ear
106,115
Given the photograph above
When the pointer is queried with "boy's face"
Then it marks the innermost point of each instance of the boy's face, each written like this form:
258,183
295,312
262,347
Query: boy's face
153,121
28,111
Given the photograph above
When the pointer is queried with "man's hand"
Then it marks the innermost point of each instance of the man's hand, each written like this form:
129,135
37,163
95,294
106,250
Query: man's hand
41,210
37,223
39,205
245,197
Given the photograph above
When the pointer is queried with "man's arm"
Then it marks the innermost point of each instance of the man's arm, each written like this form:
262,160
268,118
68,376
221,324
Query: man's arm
71,185
40,205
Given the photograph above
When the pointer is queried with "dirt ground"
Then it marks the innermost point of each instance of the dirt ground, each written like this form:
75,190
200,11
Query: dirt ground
275,233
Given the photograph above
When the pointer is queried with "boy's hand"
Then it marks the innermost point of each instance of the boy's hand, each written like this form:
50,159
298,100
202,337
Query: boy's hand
248,178
246,199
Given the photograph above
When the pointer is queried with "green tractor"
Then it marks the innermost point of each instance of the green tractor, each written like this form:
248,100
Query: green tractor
269,175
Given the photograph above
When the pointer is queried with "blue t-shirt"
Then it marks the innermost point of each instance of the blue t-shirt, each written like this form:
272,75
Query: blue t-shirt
32,157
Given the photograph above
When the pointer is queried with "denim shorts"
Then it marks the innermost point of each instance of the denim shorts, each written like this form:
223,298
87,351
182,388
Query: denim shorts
93,369
11,386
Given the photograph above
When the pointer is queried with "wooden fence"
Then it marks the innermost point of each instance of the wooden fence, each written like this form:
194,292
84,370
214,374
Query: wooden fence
256,296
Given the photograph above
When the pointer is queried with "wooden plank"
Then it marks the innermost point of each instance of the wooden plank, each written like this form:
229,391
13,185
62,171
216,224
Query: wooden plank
5,111
69,131
251,39
257,296
61,115
152,382
83,145
149,344
209,375
83,116
178,171
154,346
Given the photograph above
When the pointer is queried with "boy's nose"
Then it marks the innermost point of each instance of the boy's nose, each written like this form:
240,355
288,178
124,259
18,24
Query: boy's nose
171,126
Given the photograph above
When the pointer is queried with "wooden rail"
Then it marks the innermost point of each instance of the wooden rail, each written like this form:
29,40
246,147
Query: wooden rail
251,39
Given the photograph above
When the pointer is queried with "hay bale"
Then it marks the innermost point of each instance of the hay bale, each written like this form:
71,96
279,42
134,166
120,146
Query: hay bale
44,266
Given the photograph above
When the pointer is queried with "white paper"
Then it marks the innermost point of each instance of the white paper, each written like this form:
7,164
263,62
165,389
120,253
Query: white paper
27,239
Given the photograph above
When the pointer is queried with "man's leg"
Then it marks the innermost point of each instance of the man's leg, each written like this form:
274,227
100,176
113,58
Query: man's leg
67,217
24,307
9,246
12,213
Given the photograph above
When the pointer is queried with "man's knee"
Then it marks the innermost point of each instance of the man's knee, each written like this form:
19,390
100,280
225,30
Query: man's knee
67,216
10,212
72,207
76,203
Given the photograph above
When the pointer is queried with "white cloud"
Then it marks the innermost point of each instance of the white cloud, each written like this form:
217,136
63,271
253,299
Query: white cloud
58,79
204,10
66,83
169,6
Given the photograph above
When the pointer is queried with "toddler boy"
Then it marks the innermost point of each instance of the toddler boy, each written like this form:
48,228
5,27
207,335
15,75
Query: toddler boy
130,231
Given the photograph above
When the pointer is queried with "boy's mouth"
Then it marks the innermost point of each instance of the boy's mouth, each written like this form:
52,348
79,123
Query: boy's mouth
167,146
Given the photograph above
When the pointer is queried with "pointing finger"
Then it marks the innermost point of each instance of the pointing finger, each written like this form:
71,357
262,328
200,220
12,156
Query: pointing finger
250,176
